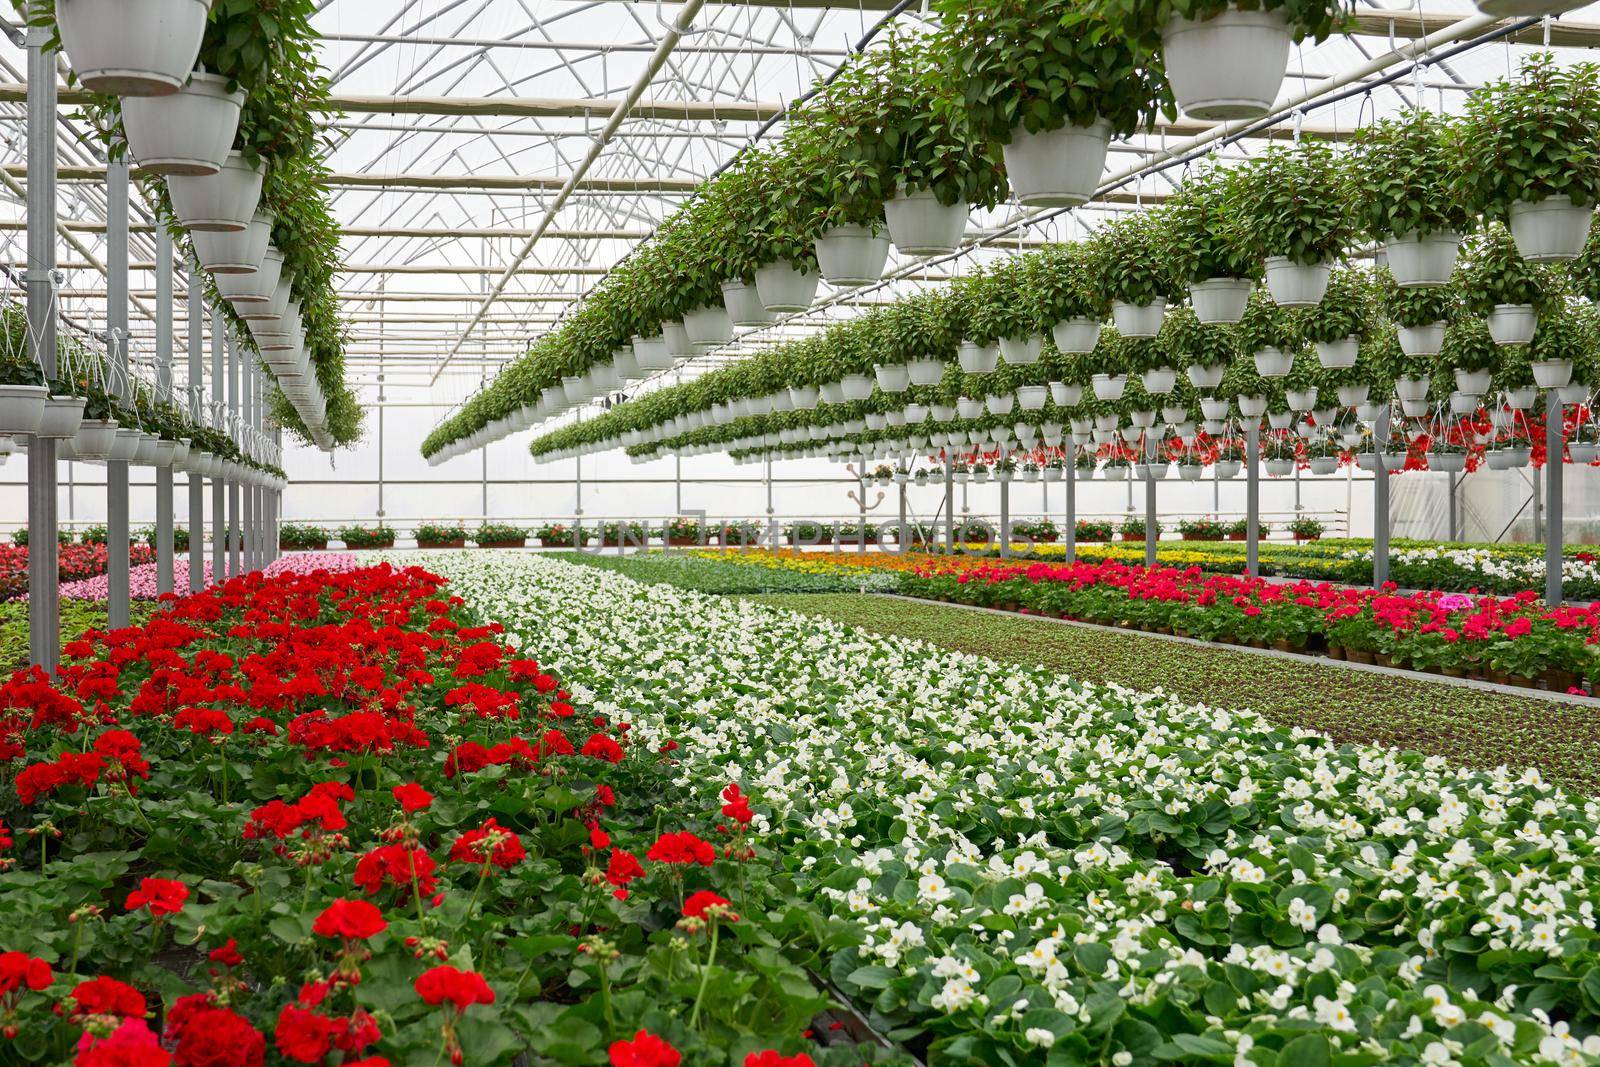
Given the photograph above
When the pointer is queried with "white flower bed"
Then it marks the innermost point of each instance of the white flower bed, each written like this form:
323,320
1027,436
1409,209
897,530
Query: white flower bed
1527,571
1033,864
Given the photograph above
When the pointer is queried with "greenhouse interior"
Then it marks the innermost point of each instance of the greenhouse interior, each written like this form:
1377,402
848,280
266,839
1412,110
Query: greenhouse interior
799,533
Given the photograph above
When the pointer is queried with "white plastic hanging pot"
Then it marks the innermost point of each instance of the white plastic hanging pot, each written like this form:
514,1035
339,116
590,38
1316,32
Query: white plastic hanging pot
652,354
1393,461
1464,403
1473,382
224,201
999,403
1413,389
1302,399
1550,229
831,393
1422,340
1449,462
677,339
21,408
785,288
164,451
1551,373
1139,320
189,132
1158,381
1583,452
1021,351
1273,363
852,256
1032,397
1573,393
1513,324
708,327
1279,468
1252,406
1296,285
1206,377
1108,386
1190,472
1426,259
925,371
626,366
856,386
1336,355
234,251
1220,300
125,445
1076,336
62,417
744,304
1066,396
1323,464
1280,420
132,47
94,439
978,359
1522,398
1228,66
1058,168
1214,408
892,377
257,296
921,226
1228,468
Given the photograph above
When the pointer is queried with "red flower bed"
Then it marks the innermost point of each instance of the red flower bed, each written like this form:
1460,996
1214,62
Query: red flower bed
1510,639
331,819
77,562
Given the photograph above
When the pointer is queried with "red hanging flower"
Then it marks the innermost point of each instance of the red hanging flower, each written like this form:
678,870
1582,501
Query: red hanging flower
645,1050
349,919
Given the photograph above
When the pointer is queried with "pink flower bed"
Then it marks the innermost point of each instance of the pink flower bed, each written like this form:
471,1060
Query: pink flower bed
141,583
306,562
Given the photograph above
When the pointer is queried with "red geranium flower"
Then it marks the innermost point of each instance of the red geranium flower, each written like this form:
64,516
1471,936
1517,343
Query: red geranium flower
771,1058
206,1035
349,919
302,1036
447,983
412,797
227,955
19,970
682,847
107,996
698,904
645,1050
163,896
131,1044
507,850
396,865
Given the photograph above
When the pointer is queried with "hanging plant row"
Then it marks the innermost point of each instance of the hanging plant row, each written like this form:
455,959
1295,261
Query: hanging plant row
214,102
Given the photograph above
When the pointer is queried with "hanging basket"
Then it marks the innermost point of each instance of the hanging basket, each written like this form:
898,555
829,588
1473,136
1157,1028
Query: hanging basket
921,226
925,371
1158,381
1551,373
1139,320
1473,382
1507,9
1057,168
132,47
744,304
22,408
1021,351
1066,396
978,359
784,288
234,251
1551,229
851,256
1296,285
1076,336
95,439
1337,355
1273,363
1422,340
1449,462
677,339
1032,397
257,296
1413,389
189,132
1419,260
1322,465
1228,66
1220,300
1108,386
224,201
707,327
1513,324
892,377
62,417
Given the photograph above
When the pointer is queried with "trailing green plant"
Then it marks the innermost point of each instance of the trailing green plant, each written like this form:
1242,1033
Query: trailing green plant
1349,308
1191,342
1419,306
1405,178
1203,233
1131,258
1492,271
1266,325
379,536
1293,201
1468,346
1066,284
1532,137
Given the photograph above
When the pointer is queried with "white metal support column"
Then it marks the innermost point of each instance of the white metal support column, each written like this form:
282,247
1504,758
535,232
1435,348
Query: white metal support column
1555,453
1005,509
1380,499
219,491
1151,534
197,482
234,531
247,501
1071,532
44,617
949,500
1252,497
117,605
164,538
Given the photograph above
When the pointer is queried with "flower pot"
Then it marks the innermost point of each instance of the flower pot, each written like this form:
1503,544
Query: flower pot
999,403
978,359
1085,474
516,542
852,256
1057,168
1413,389
652,354
1066,396
125,445
1323,465
1393,461
1021,351
707,327
785,288
1139,320
1551,373
1220,300
1551,229
1351,395
188,132
1473,382
980,476
1522,397
258,297
893,377
234,251
1427,259
1513,324
224,201
22,408
1278,468
1213,407
1302,399
1159,381
1296,285
1190,472
1450,462
1076,336
925,371
1108,386
1573,393
132,47
1273,363
1202,377
856,386
1056,474
1583,452
1280,420
744,304
1422,340
921,226
1465,403
1228,66
61,418
1032,397
1336,355
1228,468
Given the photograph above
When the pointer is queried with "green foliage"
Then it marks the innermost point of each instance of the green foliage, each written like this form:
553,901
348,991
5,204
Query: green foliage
1203,232
1419,306
1492,271
379,536
433,533
1405,178
1348,309
1293,200
1131,257
1468,346
496,532
1191,342
296,535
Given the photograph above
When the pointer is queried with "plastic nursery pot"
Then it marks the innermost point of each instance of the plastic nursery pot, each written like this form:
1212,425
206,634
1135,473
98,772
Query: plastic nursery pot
1550,229
189,132
1139,320
1337,355
1057,168
1296,284
1021,351
223,201
852,256
786,288
1513,324
22,408
1220,300
744,304
921,226
62,416
1076,336
132,47
978,359
234,251
1228,66
1424,259
708,327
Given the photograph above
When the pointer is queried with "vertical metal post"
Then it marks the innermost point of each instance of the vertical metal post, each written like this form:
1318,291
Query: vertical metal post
273,551
1071,532
219,490
1150,534
485,482
1005,512
949,500
234,532
247,494
197,483
903,537
861,483
1252,498
677,485
1454,519
1380,500
164,565
1555,471
772,525
117,341
44,617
